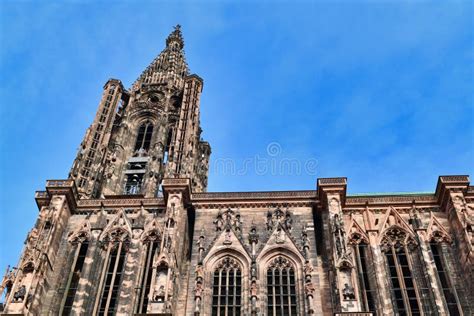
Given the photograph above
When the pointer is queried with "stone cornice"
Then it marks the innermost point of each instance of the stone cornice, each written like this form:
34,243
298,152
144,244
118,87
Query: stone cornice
255,199
394,200
263,199
254,195
131,201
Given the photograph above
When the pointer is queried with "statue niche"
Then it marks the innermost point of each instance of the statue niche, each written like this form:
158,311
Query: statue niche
162,289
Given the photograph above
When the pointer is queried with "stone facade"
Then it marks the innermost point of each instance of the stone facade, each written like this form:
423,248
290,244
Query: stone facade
132,231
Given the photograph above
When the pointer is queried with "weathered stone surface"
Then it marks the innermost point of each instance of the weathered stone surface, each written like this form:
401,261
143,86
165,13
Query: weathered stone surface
133,232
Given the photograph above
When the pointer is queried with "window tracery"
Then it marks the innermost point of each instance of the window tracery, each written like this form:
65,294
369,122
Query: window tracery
227,288
142,144
439,244
361,252
152,242
116,243
81,242
395,245
281,288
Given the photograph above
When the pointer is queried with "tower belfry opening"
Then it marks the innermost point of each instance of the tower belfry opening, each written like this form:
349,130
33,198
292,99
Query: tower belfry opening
133,231
129,148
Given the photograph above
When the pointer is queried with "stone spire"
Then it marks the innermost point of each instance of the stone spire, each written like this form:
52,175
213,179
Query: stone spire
175,36
169,66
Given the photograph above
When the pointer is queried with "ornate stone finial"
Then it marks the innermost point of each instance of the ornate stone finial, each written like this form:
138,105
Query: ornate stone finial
176,36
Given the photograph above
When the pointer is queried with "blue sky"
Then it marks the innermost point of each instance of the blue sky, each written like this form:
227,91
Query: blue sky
379,92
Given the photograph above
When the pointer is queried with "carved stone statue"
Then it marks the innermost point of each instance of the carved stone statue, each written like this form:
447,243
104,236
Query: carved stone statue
237,223
19,295
253,289
308,268
199,272
198,290
219,222
269,221
305,240
339,235
253,269
309,288
280,236
288,221
348,292
227,240
253,236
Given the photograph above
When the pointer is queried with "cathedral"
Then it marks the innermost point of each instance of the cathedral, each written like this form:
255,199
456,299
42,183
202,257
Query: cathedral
132,231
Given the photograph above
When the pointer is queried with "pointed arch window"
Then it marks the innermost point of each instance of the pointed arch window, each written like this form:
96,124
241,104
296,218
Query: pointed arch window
227,288
404,291
281,288
437,247
116,244
82,244
145,131
361,252
152,245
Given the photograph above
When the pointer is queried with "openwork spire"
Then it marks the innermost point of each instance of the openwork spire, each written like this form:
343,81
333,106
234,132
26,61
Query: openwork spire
169,67
176,36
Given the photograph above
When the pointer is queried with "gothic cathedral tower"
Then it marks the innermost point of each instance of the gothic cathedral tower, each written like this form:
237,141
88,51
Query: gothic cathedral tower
133,232
138,163
141,135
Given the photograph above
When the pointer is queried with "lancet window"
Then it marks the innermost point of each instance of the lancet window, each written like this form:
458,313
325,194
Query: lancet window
116,244
145,132
227,288
152,245
439,245
395,246
81,245
281,288
363,263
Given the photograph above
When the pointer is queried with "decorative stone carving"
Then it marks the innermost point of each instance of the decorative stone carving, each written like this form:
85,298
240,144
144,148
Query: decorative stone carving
19,295
279,236
308,268
167,307
339,235
200,244
227,237
269,221
199,273
228,263
219,222
397,238
334,206
237,224
305,243
253,270
309,288
437,233
280,262
348,292
116,235
253,235
288,221
356,234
